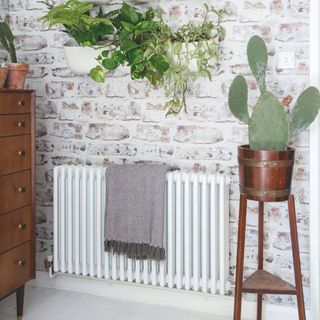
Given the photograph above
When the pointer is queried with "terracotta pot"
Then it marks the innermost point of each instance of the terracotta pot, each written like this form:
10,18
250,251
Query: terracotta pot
3,76
265,175
16,75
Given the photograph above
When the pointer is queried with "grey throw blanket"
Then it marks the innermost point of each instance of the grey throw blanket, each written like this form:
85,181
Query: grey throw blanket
135,202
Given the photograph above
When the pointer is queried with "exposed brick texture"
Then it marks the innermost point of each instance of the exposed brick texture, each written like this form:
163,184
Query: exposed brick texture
81,122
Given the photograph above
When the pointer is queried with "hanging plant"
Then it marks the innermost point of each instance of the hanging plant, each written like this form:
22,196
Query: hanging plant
146,44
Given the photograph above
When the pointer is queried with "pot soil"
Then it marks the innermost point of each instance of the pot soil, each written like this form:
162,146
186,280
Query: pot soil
265,175
16,76
3,76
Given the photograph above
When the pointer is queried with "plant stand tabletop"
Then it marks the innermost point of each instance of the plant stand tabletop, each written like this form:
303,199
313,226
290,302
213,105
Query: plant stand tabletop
262,282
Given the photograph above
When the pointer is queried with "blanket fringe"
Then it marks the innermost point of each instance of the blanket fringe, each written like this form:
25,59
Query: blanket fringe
139,251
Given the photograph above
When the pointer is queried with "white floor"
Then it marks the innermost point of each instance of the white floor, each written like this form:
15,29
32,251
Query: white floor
52,304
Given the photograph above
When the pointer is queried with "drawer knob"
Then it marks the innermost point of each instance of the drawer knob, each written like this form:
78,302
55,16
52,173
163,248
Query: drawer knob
22,263
21,124
22,190
22,226
21,103
22,153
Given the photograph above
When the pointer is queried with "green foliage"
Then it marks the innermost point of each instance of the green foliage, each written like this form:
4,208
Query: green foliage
258,60
238,99
269,126
74,16
7,41
146,44
305,110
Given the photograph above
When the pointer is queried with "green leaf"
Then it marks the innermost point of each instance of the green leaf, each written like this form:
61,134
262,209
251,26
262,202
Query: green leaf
135,56
110,64
118,57
150,14
129,14
258,60
97,74
160,63
138,71
305,110
145,26
105,53
123,34
128,26
128,45
238,99
84,38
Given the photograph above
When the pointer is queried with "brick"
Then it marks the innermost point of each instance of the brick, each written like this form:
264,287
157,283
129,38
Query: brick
195,134
60,89
152,133
108,132
67,130
30,43
292,32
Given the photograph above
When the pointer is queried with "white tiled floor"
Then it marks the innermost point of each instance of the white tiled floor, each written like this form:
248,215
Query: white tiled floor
51,304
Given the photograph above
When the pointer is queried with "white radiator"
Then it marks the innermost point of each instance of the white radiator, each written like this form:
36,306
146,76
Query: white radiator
196,231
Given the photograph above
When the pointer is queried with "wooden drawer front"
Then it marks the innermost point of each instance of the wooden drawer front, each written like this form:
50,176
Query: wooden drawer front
16,155
15,191
15,267
15,228
18,102
14,125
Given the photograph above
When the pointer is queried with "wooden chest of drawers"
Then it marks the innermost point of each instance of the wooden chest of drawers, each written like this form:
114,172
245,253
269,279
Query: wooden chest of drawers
17,192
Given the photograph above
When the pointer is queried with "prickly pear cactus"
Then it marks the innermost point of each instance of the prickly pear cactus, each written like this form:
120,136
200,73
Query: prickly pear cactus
238,99
269,126
258,60
305,110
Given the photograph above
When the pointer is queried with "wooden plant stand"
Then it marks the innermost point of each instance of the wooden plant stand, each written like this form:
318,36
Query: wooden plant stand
262,282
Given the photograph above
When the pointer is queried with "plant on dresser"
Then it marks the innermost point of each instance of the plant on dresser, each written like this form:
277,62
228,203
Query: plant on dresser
17,196
17,72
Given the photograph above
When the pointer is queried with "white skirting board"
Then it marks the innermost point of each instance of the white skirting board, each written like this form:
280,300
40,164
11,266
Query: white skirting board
193,301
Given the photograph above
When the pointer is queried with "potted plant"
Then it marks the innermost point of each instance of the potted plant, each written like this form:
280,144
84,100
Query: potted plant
193,53
266,164
17,72
88,33
3,74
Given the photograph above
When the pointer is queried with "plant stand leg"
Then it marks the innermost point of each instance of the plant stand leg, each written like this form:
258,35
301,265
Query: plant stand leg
260,255
20,300
296,257
240,256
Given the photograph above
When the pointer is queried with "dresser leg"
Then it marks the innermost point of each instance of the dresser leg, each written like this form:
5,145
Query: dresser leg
20,300
240,257
296,257
260,254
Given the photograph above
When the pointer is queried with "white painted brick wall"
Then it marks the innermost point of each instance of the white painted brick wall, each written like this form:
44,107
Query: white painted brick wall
81,122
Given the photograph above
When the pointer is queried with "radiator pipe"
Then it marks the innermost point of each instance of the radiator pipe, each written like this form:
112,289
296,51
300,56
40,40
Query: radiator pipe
52,275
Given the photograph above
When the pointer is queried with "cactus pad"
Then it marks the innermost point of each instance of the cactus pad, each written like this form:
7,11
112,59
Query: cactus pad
269,126
238,99
305,110
258,60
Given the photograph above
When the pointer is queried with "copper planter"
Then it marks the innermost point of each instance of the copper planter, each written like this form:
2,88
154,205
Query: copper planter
16,76
265,175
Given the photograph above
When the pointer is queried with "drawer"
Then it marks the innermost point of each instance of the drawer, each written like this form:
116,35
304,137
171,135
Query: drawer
11,125
15,228
19,102
16,269
17,155
15,191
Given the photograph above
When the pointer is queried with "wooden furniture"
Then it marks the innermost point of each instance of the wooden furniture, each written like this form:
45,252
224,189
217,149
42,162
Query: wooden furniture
17,193
265,176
